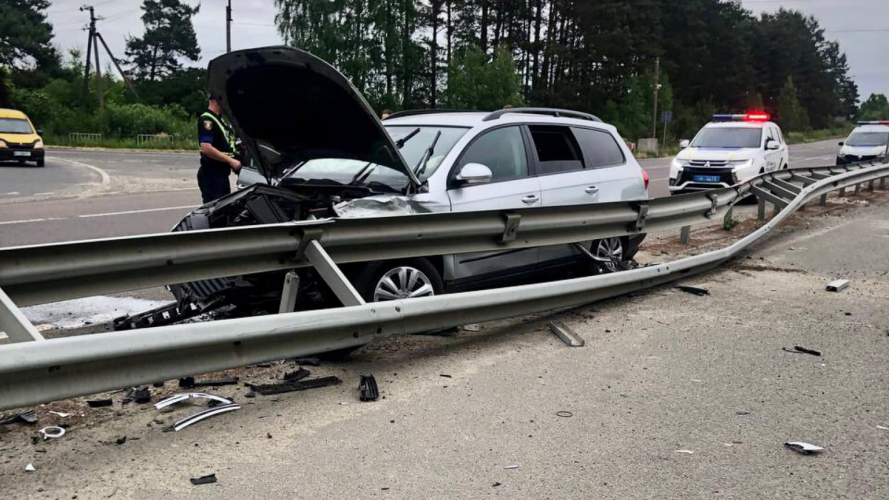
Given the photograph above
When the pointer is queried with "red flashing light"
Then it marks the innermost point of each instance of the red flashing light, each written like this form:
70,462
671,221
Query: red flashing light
758,117
645,178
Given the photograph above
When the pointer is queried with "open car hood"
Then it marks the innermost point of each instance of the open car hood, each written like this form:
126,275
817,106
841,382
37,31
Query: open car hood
289,106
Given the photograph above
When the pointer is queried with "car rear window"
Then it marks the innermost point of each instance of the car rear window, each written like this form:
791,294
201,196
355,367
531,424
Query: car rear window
600,148
557,150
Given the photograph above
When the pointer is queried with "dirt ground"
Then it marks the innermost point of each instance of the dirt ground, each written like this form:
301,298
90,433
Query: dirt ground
674,396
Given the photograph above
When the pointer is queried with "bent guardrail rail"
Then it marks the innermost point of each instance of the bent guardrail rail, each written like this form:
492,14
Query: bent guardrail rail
46,370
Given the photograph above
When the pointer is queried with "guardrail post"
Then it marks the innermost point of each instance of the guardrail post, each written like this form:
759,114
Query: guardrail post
870,185
761,212
685,235
857,189
823,200
842,193
883,183
332,275
288,294
14,323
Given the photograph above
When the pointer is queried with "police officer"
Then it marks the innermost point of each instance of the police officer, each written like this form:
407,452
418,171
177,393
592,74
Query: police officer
217,153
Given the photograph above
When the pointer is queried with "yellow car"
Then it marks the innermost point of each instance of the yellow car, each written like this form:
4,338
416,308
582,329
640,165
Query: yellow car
18,138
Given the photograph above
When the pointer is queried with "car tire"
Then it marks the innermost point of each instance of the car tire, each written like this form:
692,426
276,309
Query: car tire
382,281
41,163
613,248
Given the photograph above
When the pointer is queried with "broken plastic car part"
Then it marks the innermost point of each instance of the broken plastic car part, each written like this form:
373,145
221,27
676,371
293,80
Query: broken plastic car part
804,448
178,398
52,432
368,388
197,417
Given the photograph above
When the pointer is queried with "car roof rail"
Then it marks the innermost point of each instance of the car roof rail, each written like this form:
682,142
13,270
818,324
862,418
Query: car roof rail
558,113
418,112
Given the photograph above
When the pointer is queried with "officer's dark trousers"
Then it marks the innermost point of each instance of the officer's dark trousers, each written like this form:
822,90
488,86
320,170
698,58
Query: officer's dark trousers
213,186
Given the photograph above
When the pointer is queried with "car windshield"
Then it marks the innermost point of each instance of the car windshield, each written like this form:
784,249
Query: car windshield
349,172
864,139
415,147
14,126
728,138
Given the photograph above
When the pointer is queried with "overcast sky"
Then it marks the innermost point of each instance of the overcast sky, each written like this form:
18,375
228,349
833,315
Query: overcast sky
861,27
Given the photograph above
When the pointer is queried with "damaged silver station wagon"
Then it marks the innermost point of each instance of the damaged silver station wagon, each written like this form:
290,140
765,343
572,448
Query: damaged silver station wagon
319,151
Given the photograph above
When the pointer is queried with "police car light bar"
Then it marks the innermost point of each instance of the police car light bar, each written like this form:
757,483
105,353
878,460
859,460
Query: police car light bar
749,117
878,122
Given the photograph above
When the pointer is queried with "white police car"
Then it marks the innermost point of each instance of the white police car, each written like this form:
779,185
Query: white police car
869,141
728,150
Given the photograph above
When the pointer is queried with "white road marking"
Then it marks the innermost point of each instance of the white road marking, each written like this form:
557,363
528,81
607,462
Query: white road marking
106,179
11,193
44,194
111,214
88,216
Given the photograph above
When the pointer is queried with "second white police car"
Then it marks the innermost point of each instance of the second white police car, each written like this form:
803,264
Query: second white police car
728,150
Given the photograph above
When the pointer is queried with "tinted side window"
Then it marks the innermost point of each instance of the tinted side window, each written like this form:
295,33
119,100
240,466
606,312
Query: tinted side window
556,149
501,150
600,148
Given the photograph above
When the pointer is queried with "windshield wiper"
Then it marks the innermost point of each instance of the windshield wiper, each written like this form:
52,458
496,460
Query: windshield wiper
361,175
401,142
427,155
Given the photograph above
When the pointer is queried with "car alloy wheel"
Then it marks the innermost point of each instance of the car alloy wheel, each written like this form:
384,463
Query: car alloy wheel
403,283
611,249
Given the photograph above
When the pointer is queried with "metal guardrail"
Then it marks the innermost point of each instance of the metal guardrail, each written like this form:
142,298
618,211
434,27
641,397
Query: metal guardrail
45,370
84,137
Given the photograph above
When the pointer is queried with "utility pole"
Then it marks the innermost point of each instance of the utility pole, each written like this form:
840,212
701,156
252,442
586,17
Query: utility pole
89,50
228,27
92,51
657,77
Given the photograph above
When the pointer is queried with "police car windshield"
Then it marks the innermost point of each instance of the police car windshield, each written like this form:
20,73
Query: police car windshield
416,147
14,126
865,139
728,138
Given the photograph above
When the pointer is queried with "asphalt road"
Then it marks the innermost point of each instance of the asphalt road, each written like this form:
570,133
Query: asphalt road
673,397
95,194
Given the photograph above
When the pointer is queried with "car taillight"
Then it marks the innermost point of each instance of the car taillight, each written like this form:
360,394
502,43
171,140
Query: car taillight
645,178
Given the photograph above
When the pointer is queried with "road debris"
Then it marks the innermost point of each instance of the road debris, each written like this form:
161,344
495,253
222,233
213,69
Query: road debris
804,448
445,375
178,398
52,432
838,285
568,336
472,328
60,414
802,350
298,375
367,388
496,484
687,452
882,428
302,385
189,382
99,403
140,395
27,416
700,292
564,414
742,412
208,479
307,361
511,467
197,417
30,468
121,440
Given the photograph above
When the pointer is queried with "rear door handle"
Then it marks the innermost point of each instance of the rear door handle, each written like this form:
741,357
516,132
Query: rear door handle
530,199
592,190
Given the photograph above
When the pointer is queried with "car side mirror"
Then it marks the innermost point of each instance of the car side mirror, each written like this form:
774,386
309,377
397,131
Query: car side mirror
684,143
842,144
772,145
474,173
39,131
